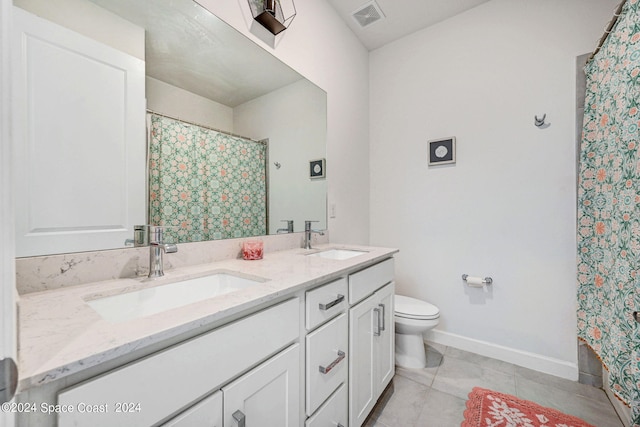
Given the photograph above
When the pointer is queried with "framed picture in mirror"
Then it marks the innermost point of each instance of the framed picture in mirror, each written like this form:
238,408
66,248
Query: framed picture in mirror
442,151
317,169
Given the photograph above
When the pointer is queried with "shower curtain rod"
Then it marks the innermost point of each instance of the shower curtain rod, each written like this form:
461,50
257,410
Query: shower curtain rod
206,127
607,31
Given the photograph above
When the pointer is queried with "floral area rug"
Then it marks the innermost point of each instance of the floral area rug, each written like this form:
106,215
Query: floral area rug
487,408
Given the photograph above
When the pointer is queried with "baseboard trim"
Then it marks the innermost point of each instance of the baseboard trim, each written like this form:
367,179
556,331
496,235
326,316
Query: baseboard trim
537,362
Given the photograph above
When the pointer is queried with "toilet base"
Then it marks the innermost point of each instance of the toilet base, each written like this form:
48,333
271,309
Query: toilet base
410,352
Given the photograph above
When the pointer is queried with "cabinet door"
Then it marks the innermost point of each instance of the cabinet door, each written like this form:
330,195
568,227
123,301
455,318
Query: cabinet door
207,413
385,343
363,320
268,395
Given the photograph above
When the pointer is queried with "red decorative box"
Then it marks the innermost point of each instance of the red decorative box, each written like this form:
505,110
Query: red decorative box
252,249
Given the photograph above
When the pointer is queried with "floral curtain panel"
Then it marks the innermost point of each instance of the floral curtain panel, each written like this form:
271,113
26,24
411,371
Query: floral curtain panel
609,208
205,184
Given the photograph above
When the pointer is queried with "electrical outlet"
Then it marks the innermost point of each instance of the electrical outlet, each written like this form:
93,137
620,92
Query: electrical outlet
332,210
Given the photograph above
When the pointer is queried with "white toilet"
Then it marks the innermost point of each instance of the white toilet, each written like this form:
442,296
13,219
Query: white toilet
413,317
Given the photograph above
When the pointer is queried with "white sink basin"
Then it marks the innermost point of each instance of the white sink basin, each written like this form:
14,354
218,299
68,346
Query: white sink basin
339,254
133,305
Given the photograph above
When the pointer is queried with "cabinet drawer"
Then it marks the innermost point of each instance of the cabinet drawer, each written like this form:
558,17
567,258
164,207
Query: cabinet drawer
325,302
333,413
327,361
172,379
207,413
367,281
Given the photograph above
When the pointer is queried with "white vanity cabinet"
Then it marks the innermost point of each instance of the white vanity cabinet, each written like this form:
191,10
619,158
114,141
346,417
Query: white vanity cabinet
371,338
150,390
319,355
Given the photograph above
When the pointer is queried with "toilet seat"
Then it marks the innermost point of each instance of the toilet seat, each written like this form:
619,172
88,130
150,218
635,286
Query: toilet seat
412,308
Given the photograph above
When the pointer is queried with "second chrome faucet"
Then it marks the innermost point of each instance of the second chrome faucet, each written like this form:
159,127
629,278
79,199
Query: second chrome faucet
307,234
157,247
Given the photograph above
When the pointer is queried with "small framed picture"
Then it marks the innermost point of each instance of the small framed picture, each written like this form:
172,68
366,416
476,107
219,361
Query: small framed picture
442,151
317,169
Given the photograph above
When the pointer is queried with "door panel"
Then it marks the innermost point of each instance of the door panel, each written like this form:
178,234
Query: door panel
362,386
79,159
385,352
267,396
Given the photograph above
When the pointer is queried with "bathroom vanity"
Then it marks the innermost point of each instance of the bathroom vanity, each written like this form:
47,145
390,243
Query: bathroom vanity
309,342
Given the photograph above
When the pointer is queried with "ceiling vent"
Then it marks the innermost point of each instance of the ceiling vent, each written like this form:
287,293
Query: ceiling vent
367,14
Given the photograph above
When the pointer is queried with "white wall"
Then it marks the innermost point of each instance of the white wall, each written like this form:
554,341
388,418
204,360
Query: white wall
507,208
320,46
175,102
294,120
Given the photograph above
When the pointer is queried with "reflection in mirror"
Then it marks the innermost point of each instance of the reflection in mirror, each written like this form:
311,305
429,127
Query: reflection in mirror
204,77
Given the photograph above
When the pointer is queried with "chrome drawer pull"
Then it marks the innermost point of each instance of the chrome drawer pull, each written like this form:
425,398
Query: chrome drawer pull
341,355
376,333
328,305
239,417
383,315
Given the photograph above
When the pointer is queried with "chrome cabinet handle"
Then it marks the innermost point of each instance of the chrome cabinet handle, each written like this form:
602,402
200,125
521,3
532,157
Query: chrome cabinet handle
383,315
341,355
377,331
335,302
239,417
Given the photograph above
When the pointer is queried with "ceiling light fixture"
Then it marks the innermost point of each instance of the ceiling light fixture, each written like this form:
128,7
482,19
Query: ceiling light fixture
274,15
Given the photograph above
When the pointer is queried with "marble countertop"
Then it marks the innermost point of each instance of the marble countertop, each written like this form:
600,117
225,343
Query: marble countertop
60,334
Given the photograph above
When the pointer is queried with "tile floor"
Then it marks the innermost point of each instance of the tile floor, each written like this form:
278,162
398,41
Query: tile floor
436,396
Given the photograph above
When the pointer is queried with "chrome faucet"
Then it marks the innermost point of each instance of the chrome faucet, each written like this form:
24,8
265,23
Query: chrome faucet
307,234
289,228
157,247
140,236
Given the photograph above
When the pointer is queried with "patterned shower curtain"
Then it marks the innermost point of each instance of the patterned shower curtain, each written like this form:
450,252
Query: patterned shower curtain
609,208
205,184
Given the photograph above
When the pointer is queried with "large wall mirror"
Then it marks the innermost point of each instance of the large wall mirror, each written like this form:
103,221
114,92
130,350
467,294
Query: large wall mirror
234,137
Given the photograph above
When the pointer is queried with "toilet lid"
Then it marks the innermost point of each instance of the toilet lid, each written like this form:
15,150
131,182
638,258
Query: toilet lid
413,308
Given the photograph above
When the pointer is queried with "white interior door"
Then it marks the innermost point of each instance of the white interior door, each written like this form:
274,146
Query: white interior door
7,274
79,132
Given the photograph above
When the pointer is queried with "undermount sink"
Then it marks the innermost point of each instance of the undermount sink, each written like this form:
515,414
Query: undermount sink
145,302
338,254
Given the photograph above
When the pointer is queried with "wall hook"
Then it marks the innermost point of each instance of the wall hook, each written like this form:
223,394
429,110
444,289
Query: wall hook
540,122
277,165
